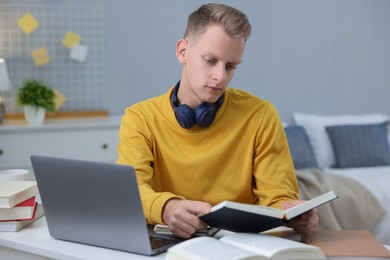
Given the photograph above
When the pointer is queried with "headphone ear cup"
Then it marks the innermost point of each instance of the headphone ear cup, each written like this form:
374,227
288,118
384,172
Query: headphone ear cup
204,114
184,116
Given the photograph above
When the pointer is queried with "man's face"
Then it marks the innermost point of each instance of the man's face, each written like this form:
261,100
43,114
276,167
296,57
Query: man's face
209,64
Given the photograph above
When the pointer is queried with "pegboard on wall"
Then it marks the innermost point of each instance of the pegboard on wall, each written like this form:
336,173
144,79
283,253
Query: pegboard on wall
83,83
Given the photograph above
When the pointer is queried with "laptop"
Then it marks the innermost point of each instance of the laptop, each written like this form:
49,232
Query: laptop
97,204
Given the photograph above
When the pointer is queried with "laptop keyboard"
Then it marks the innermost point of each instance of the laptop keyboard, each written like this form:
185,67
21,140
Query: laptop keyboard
157,242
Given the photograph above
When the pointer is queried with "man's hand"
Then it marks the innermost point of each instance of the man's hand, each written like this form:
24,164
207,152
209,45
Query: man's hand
307,221
181,216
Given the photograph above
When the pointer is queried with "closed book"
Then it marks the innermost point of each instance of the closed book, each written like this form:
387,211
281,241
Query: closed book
22,211
15,192
16,225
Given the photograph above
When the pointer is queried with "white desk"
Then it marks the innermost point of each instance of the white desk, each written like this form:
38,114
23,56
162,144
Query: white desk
34,242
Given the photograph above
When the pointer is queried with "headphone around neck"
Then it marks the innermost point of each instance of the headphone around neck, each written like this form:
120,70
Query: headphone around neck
203,115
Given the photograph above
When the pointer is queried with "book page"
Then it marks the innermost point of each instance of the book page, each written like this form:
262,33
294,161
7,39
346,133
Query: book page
208,248
309,204
270,246
257,209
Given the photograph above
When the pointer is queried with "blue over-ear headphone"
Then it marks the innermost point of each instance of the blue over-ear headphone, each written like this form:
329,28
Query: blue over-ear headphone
203,115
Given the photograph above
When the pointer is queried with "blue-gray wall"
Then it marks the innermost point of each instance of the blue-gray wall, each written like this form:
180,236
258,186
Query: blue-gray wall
314,56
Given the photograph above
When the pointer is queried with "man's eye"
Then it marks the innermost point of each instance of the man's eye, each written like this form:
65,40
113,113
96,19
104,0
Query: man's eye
231,67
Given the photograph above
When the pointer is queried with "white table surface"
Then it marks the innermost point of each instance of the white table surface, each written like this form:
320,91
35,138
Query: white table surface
36,240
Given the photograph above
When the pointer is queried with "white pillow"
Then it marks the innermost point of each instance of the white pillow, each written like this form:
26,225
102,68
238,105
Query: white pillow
314,126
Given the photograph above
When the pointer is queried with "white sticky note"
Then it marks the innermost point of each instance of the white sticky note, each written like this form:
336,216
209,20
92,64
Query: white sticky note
79,52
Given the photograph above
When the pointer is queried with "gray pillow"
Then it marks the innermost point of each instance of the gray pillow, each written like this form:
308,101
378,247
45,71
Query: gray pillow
300,148
360,145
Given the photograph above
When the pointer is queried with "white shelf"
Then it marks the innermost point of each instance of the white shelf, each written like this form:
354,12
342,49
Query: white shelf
94,139
20,126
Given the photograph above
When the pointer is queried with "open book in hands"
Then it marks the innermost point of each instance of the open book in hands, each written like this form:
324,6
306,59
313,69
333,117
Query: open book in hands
240,217
243,246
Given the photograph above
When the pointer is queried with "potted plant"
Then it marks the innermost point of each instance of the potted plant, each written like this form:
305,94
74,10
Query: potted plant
36,98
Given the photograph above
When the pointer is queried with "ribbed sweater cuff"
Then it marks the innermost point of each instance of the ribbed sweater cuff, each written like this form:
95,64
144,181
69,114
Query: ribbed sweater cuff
158,206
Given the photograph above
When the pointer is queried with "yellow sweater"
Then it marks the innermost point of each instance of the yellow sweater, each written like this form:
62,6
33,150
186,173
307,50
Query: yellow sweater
243,156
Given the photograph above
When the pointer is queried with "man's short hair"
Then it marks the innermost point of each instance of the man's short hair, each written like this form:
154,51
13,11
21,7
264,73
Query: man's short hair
234,22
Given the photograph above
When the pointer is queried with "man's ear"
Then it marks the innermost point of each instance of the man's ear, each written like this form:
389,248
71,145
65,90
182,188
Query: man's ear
181,50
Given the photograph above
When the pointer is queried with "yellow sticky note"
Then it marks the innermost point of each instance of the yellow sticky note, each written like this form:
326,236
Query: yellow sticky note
59,99
70,39
28,23
40,56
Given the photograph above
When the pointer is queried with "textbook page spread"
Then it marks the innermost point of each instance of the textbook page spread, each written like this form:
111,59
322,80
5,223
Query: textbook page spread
243,246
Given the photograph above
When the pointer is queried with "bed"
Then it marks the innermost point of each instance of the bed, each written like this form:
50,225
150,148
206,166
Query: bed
351,155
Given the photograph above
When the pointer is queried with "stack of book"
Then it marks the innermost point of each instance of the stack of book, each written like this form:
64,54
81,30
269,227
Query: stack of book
18,205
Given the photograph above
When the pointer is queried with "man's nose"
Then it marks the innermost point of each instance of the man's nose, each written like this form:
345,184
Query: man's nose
219,73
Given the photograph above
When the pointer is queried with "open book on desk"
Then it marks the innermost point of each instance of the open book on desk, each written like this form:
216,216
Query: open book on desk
243,246
240,217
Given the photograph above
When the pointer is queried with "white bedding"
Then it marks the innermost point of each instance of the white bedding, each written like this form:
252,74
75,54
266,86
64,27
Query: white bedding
376,180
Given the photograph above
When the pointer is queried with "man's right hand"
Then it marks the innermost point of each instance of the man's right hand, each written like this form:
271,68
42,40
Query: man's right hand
181,216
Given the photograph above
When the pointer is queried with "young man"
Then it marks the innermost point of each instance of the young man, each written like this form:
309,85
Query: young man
201,142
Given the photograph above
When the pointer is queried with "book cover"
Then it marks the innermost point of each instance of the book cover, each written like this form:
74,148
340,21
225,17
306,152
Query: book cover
16,225
21,211
15,192
240,217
